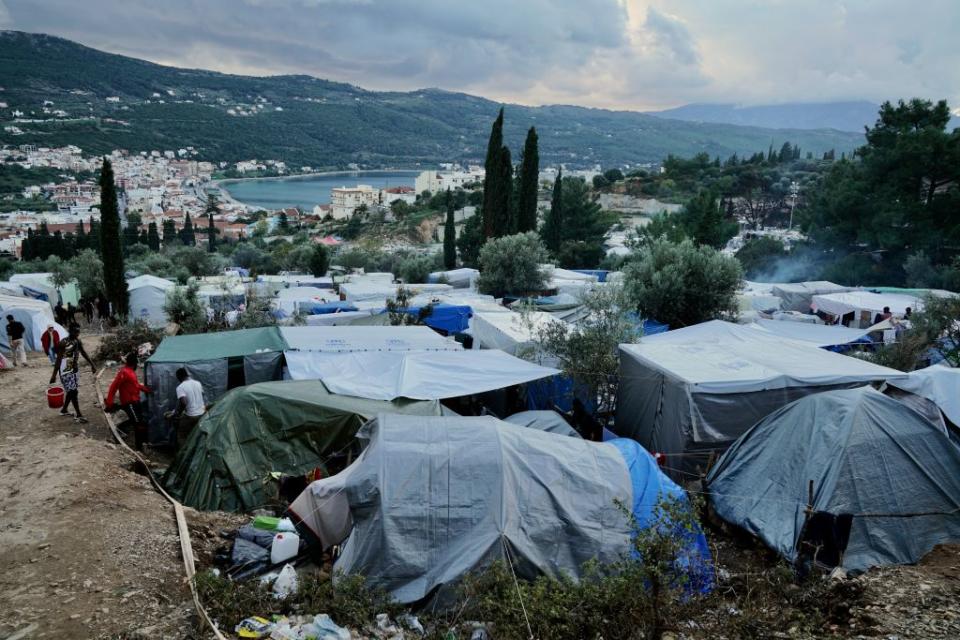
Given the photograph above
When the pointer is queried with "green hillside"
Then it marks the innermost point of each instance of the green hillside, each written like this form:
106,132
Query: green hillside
307,121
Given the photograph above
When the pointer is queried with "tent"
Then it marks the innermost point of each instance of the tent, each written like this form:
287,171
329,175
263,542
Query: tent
222,298
457,278
423,375
865,305
690,392
549,421
431,499
40,286
819,335
886,482
798,296
219,361
253,431
510,332
448,318
148,294
358,291
36,316
351,339
310,300
939,384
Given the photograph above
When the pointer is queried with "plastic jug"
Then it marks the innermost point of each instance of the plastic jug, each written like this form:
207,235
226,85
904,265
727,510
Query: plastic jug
285,546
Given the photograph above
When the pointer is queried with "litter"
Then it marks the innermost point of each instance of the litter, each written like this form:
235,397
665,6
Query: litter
320,627
285,546
286,582
255,627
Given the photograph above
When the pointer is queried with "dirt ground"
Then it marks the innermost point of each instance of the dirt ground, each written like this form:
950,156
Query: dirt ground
88,549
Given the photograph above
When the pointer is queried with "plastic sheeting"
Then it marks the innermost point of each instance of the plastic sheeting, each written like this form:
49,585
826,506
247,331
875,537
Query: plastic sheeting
286,427
819,335
223,344
40,286
357,291
839,304
308,300
148,294
457,278
424,375
798,296
939,384
868,457
349,339
162,379
549,421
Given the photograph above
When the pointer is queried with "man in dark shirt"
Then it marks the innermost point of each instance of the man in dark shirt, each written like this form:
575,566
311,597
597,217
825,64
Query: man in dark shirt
15,331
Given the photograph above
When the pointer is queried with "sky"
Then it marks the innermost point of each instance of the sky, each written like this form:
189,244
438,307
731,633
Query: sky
622,54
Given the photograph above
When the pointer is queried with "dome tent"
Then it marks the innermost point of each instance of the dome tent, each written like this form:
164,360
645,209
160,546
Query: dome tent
885,481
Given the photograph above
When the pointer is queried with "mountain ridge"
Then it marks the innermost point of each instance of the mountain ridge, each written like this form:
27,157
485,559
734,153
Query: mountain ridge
306,120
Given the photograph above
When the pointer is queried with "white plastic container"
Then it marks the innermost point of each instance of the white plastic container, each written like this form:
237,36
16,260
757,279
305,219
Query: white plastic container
285,546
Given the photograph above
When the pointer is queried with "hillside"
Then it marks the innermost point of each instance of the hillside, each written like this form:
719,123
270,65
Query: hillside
307,121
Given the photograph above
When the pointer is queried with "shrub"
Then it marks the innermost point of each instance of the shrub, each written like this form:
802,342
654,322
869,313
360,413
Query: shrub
511,264
415,268
319,262
184,308
759,256
126,339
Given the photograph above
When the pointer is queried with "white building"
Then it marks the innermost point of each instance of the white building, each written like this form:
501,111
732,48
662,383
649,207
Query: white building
437,181
345,200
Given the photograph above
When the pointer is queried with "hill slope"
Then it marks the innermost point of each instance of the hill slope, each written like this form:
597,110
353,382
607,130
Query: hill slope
842,116
308,121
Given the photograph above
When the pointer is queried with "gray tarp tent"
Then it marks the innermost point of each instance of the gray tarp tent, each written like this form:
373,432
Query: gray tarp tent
434,498
220,361
549,421
798,296
692,391
886,481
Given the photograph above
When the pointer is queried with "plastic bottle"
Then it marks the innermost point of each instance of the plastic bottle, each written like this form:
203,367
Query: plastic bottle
285,546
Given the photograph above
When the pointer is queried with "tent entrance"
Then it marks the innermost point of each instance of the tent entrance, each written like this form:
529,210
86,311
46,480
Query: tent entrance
236,376
824,539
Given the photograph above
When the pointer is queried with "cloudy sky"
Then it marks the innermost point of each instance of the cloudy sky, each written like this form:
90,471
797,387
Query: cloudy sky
627,54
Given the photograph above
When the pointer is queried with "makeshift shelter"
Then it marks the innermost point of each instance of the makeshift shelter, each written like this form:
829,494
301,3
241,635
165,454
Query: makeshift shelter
222,298
36,316
219,361
148,294
865,305
290,428
691,392
457,278
358,291
423,375
40,286
886,482
431,499
448,318
549,421
834,337
798,296
309,301
510,332
938,384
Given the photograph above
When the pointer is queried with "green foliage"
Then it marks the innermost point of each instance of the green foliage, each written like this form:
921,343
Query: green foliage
6,269
600,181
319,261
613,175
184,308
450,236
552,229
920,272
681,284
470,241
115,284
511,265
187,233
415,268
577,254
398,309
258,312
126,339
14,178
759,256
153,237
529,184
87,269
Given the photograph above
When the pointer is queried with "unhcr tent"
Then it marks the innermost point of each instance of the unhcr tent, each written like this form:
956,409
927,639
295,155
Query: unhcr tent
939,384
352,339
820,335
219,361
148,294
359,291
798,296
40,286
36,316
690,392
286,427
865,305
307,300
431,499
509,331
886,482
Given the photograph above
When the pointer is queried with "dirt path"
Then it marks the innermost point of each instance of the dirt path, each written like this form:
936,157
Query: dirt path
87,548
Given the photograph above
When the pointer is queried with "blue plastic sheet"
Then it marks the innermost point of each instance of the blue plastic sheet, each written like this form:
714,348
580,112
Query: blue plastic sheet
451,318
601,274
321,308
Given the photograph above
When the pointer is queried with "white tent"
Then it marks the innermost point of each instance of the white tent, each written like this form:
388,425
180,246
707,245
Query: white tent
11,289
425,375
353,339
865,304
358,291
290,300
36,316
40,286
692,391
338,319
797,296
819,335
457,278
148,294
939,384
509,332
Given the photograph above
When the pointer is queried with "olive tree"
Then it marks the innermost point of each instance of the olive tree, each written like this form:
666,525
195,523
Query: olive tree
511,265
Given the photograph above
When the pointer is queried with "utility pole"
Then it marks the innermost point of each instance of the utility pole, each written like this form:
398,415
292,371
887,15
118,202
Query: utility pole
794,192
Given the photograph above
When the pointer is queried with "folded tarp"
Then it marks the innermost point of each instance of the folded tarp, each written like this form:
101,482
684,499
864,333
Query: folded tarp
819,335
939,384
422,375
432,499
353,338
254,431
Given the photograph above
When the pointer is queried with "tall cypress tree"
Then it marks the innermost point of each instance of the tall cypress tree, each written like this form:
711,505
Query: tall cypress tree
450,236
115,286
212,210
501,205
186,234
552,230
529,177
153,238
169,231
93,235
80,237
491,184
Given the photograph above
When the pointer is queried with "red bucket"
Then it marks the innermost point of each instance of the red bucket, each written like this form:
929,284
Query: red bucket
55,397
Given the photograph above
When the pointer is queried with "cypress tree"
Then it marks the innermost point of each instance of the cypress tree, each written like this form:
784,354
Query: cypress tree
552,231
501,208
115,286
212,210
169,231
80,237
186,234
529,177
450,236
153,238
491,185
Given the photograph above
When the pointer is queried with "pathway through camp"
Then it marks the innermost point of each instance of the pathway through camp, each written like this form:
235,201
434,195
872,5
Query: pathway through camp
89,549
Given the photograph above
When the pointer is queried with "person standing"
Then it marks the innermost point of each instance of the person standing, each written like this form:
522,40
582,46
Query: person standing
68,365
190,405
50,340
15,331
60,314
129,386
87,307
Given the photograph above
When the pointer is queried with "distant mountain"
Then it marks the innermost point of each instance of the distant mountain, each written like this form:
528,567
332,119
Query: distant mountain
108,101
842,116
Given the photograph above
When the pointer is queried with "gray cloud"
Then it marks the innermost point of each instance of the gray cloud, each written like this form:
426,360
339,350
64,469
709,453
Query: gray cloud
611,53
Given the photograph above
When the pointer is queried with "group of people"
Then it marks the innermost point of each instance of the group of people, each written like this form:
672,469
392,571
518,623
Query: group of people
67,315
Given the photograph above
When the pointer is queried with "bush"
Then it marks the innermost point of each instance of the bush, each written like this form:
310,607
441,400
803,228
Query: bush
126,339
577,254
920,271
681,284
184,308
511,265
759,257
416,268
319,262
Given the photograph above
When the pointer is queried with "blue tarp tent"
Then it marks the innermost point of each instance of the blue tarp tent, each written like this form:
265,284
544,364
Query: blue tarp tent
320,308
451,318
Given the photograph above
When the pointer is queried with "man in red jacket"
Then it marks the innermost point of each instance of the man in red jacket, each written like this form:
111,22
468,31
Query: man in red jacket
50,340
129,386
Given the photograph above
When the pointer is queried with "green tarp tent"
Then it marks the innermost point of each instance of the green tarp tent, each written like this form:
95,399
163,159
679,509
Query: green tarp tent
289,427
219,361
